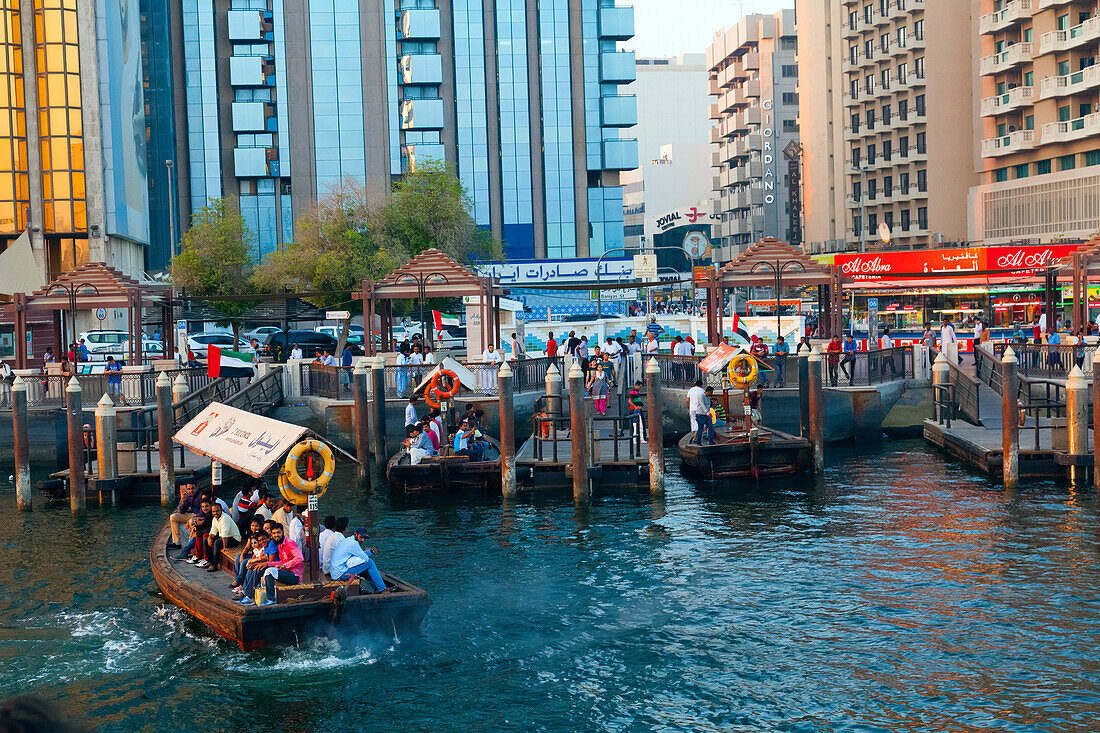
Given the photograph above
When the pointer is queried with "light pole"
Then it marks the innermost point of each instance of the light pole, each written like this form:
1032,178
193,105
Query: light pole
778,269
171,210
862,208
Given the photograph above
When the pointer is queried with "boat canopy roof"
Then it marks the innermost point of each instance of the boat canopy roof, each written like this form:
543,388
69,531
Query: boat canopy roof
238,439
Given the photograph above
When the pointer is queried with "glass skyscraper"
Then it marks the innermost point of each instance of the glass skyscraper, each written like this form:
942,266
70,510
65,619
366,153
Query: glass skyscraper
286,98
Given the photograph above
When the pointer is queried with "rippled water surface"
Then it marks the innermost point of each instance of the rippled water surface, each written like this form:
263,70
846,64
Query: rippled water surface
902,594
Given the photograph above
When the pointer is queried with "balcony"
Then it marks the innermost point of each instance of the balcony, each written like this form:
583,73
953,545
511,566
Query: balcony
744,94
850,101
246,25
1011,57
249,71
1044,4
619,110
421,68
713,88
1071,38
1014,142
1061,86
1010,15
617,67
255,162
420,24
253,117
713,135
727,102
1070,130
620,154
751,61
1010,100
423,152
617,23
422,114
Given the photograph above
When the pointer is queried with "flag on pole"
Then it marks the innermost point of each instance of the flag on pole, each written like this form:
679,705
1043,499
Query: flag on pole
225,363
444,319
739,329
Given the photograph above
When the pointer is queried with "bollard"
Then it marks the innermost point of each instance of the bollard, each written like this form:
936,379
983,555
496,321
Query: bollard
1077,420
75,416
553,391
578,433
362,415
179,389
106,439
941,376
1010,420
165,416
505,381
21,429
378,373
816,406
804,396
656,428
1096,418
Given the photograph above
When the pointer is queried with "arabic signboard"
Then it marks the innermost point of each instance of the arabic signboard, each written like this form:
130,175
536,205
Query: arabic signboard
540,272
614,294
701,274
238,439
645,267
948,266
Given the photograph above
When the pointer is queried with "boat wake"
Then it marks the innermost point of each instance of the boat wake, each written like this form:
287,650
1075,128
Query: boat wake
315,655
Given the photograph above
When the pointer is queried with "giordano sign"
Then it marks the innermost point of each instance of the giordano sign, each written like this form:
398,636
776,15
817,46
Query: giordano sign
768,131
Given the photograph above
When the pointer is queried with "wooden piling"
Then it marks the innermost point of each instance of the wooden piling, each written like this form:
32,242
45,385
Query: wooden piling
21,429
1077,420
378,374
359,377
803,396
816,406
505,383
165,417
1010,420
179,389
655,419
106,440
1096,418
75,418
578,434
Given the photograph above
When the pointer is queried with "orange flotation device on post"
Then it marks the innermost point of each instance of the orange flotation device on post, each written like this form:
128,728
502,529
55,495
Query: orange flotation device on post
444,394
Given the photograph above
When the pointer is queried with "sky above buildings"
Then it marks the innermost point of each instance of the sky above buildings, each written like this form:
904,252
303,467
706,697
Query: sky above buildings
673,27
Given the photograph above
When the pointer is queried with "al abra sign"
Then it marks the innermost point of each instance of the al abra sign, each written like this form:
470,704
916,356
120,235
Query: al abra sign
969,266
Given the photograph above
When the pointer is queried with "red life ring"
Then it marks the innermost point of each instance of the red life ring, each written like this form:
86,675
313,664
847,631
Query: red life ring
445,394
429,400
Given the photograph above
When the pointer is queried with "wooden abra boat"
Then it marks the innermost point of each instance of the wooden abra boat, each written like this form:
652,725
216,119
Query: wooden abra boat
759,452
445,472
301,609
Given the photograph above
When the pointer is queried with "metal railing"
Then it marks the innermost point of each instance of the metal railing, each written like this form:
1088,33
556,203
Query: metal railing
1043,360
552,426
48,390
965,392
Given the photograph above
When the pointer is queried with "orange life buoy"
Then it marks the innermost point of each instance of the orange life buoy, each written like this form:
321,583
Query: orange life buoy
429,400
445,394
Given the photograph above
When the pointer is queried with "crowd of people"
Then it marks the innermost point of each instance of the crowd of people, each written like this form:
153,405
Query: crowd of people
274,540
427,436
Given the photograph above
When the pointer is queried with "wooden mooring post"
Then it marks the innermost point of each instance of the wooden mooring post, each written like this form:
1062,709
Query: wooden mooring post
1096,418
165,418
378,372
74,414
816,404
1010,420
21,429
506,387
106,441
362,415
656,428
578,434
1077,422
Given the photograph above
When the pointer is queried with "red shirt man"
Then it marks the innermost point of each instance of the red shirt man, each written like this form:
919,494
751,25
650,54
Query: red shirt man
834,350
551,346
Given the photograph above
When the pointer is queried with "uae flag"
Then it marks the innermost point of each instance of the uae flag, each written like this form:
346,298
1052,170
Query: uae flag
739,329
225,363
444,319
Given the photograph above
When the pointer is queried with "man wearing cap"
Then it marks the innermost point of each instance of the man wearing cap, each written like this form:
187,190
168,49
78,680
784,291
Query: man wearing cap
350,559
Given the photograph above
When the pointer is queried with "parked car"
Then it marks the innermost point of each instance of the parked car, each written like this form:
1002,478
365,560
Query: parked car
309,341
93,339
453,337
261,333
149,347
199,343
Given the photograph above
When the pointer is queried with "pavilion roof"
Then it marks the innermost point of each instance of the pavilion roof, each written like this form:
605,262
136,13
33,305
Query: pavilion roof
96,284
756,266
440,274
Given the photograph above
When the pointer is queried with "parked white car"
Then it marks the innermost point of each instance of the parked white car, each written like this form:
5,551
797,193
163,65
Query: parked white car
200,342
261,333
95,339
121,349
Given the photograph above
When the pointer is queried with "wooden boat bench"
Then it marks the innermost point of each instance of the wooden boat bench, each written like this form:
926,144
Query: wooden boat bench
292,592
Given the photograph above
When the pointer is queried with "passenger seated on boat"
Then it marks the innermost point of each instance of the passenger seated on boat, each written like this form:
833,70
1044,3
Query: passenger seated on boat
350,560
429,429
223,534
717,412
326,529
240,567
464,443
246,503
283,514
264,550
187,509
419,444
330,543
435,425
754,402
197,526
288,567
268,504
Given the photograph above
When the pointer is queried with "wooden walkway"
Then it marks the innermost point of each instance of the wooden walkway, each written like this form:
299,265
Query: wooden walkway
607,468
980,446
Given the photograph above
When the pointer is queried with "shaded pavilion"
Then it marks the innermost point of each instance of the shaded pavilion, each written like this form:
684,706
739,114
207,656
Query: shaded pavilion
431,274
777,264
1082,263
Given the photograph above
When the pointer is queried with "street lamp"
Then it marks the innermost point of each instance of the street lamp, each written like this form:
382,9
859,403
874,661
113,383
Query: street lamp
862,208
777,270
71,291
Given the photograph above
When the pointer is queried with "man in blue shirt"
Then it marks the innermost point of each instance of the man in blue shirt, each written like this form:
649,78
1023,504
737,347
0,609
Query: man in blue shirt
782,351
349,560
82,350
848,363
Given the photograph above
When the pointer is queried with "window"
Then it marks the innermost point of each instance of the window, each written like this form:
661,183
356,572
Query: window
918,30
887,150
887,185
918,67
789,71
1029,79
1021,170
869,83
1063,22
884,42
1000,175
857,191
888,219
885,77
903,146
853,19
1063,68
869,49
855,122
1067,162
855,157
922,218
903,109
788,44
903,183
871,154
857,225
905,219
919,101
790,97
1042,167
870,114
903,72
901,37
1027,35
1064,113
922,181
1092,157
872,189
790,126
853,88
869,13
872,222
922,148
886,114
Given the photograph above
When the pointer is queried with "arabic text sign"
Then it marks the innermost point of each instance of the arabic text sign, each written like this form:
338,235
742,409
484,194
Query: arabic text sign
950,263
521,272
239,439
614,294
645,267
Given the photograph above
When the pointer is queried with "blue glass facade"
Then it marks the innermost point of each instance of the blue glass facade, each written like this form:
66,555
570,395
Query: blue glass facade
515,128
472,133
201,81
337,78
160,130
557,129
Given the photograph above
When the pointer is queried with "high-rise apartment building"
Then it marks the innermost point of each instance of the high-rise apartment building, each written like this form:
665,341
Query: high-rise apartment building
753,77
285,98
73,132
888,113
1040,121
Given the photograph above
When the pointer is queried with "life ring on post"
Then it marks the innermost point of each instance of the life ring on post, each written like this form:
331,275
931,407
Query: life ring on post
445,394
294,480
429,400
294,497
742,371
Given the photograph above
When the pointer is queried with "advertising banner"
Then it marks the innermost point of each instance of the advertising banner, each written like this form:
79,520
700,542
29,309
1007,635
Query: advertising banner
239,439
948,266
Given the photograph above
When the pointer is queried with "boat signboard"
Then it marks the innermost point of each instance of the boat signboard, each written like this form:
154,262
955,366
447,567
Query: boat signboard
239,439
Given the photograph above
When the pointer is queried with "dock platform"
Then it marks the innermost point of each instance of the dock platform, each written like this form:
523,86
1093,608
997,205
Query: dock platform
607,467
980,447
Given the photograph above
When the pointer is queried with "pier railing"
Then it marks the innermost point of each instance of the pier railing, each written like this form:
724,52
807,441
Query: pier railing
1043,360
552,433
965,391
47,391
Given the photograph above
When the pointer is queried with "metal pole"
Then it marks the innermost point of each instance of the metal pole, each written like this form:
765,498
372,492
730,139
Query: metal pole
21,429
941,376
1096,418
171,215
507,432
75,416
378,372
817,410
656,428
106,440
578,434
1010,420
164,437
362,415
862,209
1077,420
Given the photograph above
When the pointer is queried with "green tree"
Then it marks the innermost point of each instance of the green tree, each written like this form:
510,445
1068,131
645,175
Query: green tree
216,258
429,208
334,249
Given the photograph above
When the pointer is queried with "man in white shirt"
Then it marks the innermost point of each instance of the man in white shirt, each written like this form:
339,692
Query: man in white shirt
332,541
651,345
948,342
410,413
682,348
326,529
267,506
698,411
885,342
517,347
1043,323
296,352
283,515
